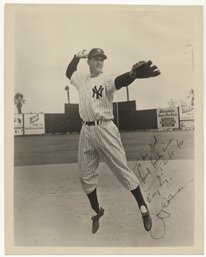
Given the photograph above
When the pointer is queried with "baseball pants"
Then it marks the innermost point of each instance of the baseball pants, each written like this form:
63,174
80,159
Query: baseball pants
103,141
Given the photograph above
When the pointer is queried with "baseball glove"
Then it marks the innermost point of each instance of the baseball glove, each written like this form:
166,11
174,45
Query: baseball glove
144,69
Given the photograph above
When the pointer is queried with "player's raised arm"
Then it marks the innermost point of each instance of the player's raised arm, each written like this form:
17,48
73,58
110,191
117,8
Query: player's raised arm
139,70
72,67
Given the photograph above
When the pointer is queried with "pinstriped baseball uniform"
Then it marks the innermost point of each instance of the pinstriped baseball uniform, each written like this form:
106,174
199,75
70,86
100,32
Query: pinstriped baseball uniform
103,140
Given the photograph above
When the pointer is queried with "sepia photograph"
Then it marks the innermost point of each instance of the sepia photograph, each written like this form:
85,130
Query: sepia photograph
104,129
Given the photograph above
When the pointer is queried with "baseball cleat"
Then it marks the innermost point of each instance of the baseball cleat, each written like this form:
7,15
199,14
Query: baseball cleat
147,220
95,220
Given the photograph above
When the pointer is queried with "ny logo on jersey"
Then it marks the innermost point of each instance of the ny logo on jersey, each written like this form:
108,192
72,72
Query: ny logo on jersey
97,92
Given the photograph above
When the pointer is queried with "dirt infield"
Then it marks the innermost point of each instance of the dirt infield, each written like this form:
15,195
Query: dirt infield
50,208
56,149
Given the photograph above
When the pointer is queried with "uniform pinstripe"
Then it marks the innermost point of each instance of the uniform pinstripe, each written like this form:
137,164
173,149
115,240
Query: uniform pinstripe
95,103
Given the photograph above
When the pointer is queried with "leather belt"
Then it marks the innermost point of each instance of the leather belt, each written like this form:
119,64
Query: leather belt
95,122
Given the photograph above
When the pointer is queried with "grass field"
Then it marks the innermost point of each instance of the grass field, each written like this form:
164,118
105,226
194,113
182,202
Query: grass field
56,149
50,208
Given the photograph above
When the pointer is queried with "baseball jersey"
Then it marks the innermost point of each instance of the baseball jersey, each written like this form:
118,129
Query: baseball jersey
95,95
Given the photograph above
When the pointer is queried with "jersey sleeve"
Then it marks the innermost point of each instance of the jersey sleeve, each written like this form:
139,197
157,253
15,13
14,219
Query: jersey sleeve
77,79
109,83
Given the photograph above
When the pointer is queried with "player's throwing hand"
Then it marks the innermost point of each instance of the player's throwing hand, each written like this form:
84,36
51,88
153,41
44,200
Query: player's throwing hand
82,54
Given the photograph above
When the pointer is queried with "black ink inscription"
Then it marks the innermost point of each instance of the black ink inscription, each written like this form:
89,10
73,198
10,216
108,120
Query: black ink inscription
157,182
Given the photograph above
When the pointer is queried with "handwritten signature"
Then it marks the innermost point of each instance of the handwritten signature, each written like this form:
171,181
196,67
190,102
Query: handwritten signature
164,214
158,183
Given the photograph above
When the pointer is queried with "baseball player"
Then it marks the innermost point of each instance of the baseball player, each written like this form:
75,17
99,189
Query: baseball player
99,136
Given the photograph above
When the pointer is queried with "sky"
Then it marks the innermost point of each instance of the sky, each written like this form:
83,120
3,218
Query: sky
47,38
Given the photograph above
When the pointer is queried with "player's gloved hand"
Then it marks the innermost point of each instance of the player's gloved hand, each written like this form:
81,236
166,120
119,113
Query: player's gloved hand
144,69
82,54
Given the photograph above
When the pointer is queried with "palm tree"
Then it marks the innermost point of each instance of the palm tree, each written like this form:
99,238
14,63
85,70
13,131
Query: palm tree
192,96
19,101
172,103
183,103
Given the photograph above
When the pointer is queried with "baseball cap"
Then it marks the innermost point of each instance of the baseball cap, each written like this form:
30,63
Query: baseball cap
96,52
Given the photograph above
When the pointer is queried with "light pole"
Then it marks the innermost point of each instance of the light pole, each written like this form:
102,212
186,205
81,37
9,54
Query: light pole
192,52
127,94
68,97
117,112
190,46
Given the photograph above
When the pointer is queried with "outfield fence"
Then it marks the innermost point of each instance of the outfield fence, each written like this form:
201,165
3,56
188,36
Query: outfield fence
126,117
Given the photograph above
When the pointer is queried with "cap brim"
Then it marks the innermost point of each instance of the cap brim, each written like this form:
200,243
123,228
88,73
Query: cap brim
94,55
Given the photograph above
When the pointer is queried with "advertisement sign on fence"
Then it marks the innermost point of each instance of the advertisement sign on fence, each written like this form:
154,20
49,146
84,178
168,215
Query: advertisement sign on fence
187,124
187,113
34,123
167,118
18,124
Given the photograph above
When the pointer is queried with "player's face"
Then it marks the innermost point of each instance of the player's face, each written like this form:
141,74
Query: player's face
96,65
